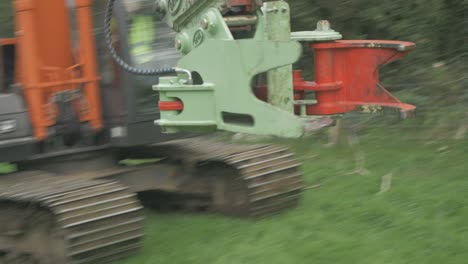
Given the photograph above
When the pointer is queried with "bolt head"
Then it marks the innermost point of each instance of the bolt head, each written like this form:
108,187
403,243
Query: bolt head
205,23
323,25
178,44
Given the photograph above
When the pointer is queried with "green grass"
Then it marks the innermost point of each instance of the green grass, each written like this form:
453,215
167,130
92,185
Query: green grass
421,219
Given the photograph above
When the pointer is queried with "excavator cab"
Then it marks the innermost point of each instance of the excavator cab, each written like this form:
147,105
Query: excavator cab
60,88
143,41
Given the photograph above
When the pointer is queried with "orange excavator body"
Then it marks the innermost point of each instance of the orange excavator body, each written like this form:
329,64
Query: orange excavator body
48,64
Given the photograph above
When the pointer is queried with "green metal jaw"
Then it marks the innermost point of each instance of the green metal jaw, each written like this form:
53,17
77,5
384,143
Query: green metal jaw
224,99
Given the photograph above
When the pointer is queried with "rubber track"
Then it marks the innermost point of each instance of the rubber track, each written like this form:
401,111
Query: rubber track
271,174
101,220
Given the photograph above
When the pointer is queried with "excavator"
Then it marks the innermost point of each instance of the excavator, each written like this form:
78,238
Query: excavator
88,89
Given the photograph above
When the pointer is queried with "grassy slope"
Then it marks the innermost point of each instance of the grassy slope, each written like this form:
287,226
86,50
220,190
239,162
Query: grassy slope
422,219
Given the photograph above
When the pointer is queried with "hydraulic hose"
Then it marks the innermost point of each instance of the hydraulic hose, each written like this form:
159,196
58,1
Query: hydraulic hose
126,66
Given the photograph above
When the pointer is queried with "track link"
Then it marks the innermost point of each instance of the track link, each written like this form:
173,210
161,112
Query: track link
83,221
249,180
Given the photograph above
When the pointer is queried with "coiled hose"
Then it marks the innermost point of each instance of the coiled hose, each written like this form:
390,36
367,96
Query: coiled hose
127,67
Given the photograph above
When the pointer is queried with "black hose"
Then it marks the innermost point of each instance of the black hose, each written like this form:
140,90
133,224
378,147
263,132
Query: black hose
127,67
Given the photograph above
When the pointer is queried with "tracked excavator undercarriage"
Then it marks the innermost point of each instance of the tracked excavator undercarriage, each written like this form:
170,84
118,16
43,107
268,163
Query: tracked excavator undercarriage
73,200
94,215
